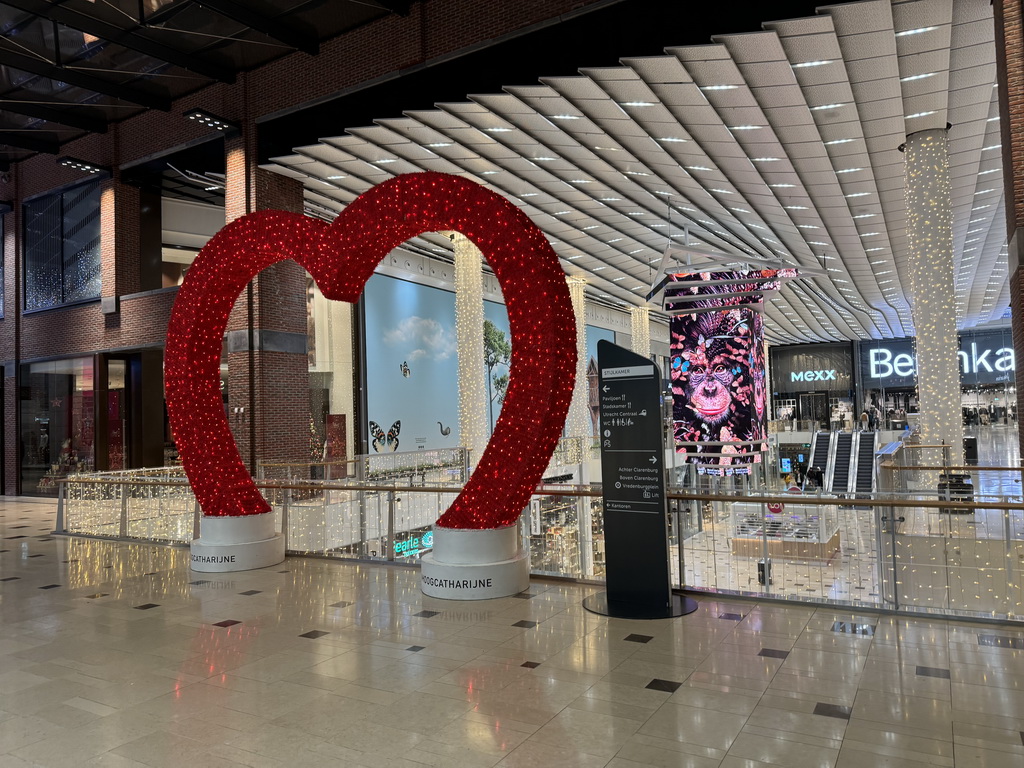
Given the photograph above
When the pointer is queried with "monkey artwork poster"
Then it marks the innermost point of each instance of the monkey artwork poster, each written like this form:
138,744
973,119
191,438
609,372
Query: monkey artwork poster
718,368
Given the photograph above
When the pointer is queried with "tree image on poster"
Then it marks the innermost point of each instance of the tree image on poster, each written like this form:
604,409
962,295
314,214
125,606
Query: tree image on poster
718,385
497,354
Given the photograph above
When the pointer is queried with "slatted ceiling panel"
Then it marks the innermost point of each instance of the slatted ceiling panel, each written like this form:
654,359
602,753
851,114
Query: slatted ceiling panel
934,62
752,217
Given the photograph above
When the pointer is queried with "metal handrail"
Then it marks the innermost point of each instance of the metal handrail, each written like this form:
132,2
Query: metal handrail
592,492
970,468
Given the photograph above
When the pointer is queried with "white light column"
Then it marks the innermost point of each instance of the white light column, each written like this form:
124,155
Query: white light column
930,250
469,332
640,320
578,423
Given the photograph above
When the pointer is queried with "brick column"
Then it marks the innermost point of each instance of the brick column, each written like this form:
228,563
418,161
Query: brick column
274,392
1009,22
119,239
8,351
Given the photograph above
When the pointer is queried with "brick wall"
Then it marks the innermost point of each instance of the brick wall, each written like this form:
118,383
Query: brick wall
272,387
1009,19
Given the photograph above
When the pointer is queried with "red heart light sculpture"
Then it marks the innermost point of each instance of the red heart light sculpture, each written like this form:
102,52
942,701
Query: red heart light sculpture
341,256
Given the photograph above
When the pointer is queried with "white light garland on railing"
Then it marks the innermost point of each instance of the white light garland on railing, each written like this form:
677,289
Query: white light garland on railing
640,320
578,424
930,245
469,333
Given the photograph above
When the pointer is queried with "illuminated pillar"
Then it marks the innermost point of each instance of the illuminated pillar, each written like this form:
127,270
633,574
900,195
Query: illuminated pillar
640,319
469,331
579,424
930,246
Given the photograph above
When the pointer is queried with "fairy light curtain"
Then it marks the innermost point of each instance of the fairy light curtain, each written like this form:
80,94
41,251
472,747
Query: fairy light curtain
640,328
579,424
930,259
469,333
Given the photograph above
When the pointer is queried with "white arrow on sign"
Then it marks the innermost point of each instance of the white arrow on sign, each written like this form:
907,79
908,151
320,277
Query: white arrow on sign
654,459
604,388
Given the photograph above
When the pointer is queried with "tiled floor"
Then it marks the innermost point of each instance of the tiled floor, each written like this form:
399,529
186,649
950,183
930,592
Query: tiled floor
117,655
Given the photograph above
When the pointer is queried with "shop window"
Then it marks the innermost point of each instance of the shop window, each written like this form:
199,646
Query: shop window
62,248
186,227
57,422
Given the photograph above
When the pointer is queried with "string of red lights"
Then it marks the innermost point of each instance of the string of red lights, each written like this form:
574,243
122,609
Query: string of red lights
340,257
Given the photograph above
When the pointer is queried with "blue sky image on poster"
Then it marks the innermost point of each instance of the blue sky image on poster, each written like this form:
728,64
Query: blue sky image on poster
412,364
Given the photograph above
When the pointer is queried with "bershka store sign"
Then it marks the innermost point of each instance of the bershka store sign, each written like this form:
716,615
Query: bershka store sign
812,368
985,358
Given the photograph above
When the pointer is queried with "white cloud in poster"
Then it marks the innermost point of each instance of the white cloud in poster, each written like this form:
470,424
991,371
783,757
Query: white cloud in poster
427,337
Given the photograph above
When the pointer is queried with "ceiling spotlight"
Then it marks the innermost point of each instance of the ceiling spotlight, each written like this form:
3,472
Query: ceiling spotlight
918,31
81,165
211,120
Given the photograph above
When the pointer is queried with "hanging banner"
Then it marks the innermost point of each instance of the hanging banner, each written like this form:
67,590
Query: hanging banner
718,367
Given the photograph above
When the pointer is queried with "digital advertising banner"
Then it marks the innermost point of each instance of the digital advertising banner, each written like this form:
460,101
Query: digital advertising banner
718,368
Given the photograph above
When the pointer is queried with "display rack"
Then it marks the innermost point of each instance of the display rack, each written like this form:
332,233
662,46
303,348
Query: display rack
798,532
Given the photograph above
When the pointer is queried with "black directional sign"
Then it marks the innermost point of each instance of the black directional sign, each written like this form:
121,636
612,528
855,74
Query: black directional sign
632,456
633,479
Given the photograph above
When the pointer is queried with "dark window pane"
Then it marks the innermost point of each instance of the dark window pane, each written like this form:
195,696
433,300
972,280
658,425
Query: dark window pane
42,253
82,243
62,248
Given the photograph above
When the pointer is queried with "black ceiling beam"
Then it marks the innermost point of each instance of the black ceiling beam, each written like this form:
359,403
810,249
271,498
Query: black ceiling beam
72,115
401,7
21,141
80,79
124,37
277,29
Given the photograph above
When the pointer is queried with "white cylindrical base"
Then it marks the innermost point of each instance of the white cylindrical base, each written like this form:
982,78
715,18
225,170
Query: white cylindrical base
241,543
475,564
472,547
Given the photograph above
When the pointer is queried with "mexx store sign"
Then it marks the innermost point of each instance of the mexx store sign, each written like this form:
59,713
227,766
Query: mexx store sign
829,375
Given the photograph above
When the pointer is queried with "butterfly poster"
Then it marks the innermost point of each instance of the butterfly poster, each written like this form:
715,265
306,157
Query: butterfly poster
381,442
412,366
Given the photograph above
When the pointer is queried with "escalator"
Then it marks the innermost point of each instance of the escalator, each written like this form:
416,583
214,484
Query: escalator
819,450
839,480
865,472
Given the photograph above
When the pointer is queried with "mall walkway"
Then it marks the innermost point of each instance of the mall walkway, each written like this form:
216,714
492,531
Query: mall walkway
117,655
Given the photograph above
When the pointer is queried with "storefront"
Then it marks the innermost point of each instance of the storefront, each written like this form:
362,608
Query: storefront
888,380
97,412
987,386
813,382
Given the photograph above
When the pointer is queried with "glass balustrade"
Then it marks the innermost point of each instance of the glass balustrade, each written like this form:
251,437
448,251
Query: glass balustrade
952,546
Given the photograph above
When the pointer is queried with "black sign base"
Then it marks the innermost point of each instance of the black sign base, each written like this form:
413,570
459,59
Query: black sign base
617,609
